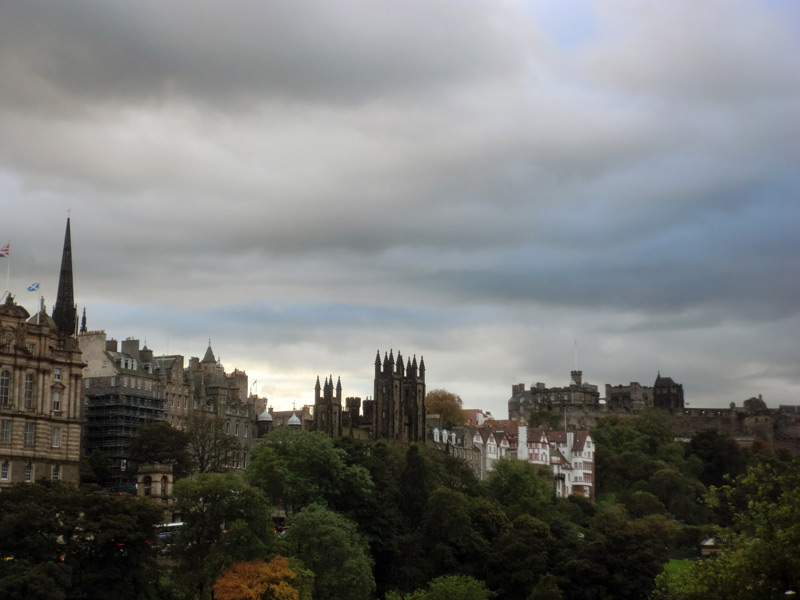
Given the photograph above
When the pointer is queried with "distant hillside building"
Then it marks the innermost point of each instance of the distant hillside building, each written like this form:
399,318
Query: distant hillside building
633,396
541,397
569,454
667,395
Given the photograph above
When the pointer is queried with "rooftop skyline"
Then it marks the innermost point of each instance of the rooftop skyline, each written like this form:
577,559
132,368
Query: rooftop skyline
482,183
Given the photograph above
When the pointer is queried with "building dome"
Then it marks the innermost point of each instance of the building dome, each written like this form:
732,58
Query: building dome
42,318
294,421
265,416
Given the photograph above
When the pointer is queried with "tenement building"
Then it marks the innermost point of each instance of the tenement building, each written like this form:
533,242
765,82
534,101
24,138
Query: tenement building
121,393
126,387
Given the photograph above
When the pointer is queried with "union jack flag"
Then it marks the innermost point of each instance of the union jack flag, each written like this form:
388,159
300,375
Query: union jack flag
5,250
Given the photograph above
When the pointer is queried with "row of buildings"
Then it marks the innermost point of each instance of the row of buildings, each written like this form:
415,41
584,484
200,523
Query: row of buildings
65,390
664,394
569,455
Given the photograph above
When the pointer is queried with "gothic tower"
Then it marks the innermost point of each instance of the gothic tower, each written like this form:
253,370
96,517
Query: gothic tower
328,407
64,312
399,398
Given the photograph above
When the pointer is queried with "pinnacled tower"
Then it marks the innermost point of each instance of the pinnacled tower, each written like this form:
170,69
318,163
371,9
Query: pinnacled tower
65,313
399,397
328,407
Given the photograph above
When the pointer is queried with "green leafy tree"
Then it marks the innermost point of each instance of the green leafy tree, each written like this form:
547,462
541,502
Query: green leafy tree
330,546
520,487
211,449
520,558
297,468
64,542
721,456
761,547
546,589
159,442
224,521
453,543
96,468
448,587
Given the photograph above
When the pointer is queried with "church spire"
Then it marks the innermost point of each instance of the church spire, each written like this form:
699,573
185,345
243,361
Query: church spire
64,312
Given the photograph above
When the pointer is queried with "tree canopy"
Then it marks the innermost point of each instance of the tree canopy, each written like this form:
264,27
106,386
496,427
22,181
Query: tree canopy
447,405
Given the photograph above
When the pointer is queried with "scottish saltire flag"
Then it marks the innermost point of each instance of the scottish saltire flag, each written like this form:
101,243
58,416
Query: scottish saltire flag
34,287
5,250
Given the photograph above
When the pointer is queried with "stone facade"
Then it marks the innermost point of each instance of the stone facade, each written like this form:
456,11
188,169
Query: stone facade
40,398
633,395
667,395
126,387
328,408
541,397
397,410
121,392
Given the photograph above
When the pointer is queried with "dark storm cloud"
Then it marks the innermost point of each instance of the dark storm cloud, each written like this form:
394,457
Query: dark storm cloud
214,52
306,182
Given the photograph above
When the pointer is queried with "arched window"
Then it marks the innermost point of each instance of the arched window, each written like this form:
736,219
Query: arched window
29,389
5,387
148,485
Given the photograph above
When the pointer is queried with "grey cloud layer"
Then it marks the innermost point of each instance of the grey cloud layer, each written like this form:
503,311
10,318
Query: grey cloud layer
407,171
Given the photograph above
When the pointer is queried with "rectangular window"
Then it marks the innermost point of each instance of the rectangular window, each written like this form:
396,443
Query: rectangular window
113,382
28,473
57,374
29,385
4,471
56,473
30,434
57,400
5,431
5,387
56,437
32,349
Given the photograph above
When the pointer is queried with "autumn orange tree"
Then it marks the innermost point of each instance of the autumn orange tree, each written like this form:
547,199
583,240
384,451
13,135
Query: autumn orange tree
446,404
257,580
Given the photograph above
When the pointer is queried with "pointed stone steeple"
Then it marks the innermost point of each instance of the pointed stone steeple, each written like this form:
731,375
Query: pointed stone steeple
64,313
83,321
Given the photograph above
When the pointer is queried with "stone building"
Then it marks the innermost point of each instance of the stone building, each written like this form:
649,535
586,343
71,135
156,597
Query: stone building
397,410
541,397
570,455
40,387
633,396
328,407
121,392
128,387
667,395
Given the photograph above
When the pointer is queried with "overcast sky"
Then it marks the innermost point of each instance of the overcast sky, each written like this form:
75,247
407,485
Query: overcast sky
479,182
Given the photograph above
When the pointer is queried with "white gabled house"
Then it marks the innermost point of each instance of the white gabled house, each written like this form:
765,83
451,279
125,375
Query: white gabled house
570,455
